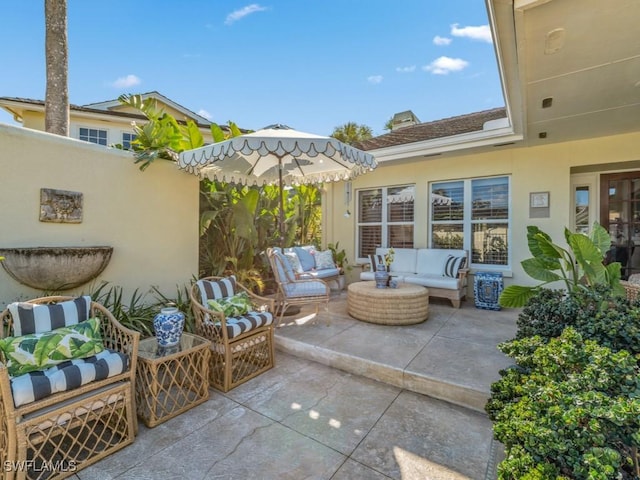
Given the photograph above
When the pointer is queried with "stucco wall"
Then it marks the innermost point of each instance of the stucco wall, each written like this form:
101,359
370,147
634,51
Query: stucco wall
535,169
149,218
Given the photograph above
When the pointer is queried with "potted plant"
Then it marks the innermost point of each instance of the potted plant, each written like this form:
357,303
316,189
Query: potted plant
341,261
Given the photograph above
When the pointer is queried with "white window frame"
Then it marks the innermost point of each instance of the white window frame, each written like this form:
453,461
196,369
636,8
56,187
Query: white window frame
591,182
467,222
383,223
97,138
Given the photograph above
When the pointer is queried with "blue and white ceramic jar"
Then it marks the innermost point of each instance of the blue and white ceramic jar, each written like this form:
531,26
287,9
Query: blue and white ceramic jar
381,276
168,326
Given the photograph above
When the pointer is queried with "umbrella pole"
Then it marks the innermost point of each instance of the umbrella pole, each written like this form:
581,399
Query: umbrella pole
281,193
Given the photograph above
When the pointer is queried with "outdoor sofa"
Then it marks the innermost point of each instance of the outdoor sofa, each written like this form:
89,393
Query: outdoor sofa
308,262
442,271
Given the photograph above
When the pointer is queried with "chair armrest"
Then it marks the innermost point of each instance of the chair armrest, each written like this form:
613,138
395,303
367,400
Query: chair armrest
462,273
257,300
116,336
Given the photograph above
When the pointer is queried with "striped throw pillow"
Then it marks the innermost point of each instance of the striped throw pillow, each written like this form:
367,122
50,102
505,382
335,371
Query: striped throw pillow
31,318
214,289
452,265
375,261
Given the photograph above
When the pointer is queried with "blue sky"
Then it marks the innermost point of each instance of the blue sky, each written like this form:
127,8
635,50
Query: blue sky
309,64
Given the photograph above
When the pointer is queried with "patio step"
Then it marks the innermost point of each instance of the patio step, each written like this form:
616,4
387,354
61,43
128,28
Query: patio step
451,357
442,389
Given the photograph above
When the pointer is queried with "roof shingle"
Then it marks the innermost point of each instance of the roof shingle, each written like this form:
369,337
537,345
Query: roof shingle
472,122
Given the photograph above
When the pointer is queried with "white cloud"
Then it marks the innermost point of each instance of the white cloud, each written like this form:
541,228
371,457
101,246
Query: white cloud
445,65
126,82
482,33
243,12
438,40
374,79
409,69
203,113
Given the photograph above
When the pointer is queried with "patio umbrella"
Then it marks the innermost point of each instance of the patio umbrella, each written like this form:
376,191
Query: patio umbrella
277,155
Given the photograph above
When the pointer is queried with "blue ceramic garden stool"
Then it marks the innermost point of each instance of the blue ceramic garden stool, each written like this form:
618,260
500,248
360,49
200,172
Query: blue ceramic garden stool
487,288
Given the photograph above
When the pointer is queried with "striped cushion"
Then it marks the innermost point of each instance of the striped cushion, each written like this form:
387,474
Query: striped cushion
249,321
214,289
375,260
68,375
452,265
31,318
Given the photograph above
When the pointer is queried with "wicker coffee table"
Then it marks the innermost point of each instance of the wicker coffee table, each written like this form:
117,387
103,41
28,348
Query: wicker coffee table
405,305
173,380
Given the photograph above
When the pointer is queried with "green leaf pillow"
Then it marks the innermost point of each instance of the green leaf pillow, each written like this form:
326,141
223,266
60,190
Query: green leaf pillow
39,351
234,306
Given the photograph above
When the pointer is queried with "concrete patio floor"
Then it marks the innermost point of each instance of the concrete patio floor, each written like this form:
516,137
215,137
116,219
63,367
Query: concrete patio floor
346,400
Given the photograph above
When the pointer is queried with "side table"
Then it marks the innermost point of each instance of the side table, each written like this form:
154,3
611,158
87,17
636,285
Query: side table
172,380
487,287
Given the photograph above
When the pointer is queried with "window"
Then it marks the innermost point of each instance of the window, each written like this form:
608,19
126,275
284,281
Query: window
473,215
127,138
385,218
581,214
93,135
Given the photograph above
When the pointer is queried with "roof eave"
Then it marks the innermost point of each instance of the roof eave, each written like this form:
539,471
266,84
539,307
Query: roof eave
453,143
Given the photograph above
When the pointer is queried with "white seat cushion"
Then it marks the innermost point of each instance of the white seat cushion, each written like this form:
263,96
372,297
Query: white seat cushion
434,281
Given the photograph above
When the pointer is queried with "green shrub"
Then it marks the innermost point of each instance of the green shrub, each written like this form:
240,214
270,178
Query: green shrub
547,314
569,409
612,321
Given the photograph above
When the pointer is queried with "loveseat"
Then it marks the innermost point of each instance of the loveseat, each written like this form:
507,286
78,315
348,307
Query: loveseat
442,271
310,263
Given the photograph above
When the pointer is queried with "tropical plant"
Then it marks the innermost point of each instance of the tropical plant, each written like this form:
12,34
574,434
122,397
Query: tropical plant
162,137
388,125
569,409
237,223
181,301
579,267
339,256
351,133
135,314
56,101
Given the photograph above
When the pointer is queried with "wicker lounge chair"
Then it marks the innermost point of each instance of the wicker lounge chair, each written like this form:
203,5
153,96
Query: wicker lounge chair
632,286
293,290
242,345
61,419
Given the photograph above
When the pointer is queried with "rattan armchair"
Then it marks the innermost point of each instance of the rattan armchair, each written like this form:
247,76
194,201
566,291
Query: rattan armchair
66,431
242,347
293,290
632,286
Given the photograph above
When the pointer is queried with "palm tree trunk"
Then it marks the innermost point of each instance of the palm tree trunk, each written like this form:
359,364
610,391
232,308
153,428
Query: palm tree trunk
56,102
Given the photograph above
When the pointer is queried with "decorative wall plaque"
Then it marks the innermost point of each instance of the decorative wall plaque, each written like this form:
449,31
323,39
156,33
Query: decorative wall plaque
60,206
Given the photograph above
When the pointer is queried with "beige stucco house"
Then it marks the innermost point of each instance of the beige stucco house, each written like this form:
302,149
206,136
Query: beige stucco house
563,152
104,123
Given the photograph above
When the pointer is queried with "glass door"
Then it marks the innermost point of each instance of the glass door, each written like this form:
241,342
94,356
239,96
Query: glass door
620,215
